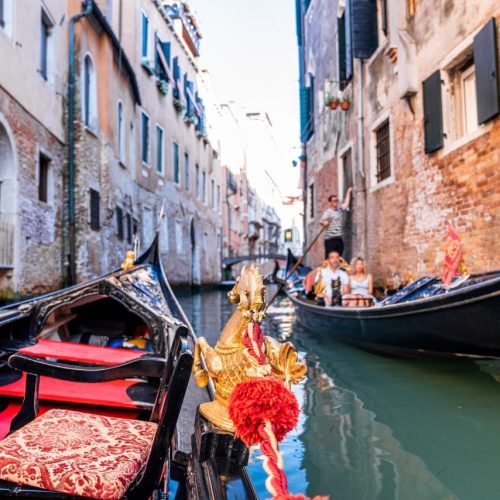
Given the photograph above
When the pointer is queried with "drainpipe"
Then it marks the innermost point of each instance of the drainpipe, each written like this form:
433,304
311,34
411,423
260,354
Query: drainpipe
71,264
361,169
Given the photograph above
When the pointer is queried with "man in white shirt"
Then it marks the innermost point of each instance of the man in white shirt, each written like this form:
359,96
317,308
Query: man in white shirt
333,272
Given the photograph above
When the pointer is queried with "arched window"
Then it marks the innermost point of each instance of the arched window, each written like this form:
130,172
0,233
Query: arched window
89,95
121,132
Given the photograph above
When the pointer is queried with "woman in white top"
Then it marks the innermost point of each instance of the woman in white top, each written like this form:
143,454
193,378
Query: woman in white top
360,285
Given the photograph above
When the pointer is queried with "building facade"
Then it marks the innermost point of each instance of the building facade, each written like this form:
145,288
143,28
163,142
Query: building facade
401,101
32,145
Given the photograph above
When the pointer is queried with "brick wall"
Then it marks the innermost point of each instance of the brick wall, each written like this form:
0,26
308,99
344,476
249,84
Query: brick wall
38,241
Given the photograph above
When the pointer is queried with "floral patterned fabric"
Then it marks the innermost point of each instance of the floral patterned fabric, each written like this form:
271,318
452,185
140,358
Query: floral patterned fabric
77,453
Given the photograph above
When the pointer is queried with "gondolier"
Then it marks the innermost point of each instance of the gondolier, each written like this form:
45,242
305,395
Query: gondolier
333,218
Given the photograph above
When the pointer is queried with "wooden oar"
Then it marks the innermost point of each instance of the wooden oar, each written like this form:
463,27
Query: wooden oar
296,266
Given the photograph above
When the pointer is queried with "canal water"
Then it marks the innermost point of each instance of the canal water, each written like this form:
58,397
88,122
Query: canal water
377,428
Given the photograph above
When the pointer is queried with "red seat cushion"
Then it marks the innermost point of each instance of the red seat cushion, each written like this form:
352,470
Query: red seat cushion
112,393
69,351
77,453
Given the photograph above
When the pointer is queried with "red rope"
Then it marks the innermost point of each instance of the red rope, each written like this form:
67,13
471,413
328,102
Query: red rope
277,483
253,339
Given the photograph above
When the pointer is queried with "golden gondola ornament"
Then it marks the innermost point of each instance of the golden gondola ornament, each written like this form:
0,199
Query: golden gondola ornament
252,375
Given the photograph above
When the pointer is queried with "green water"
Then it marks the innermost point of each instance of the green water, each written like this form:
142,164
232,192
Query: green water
377,428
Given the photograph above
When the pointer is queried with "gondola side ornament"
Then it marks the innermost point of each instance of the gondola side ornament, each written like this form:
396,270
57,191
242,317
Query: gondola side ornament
252,376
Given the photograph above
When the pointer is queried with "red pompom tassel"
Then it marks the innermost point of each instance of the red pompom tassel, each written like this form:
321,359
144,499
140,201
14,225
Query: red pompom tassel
257,399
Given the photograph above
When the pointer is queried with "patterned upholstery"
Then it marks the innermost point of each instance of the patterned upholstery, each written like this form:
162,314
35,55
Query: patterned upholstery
77,453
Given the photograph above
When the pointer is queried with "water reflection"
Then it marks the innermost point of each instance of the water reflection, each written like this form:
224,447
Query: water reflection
376,428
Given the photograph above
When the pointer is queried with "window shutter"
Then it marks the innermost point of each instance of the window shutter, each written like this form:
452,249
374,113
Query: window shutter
364,28
304,112
486,66
433,113
95,208
348,40
165,47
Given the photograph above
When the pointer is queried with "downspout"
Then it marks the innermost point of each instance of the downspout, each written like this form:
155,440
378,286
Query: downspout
361,169
71,264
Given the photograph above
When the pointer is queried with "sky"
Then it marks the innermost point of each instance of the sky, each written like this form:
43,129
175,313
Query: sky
250,50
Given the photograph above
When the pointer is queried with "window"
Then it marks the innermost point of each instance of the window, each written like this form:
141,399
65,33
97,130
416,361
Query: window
219,204
145,49
95,209
311,201
187,186
212,192
383,148
469,99
128,221
204,186
119,223
45,43
344,44
159,150
197,181
89,93
177,176
6,7
121,132
307,110
43,178
131,144
145,139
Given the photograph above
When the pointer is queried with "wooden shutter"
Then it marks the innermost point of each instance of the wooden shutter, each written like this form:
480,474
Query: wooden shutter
433,113
341,50
486,67
364,28
95,209
304,113
129,228
348,41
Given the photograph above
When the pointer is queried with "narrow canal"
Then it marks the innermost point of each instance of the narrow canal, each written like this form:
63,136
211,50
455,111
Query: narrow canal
377,428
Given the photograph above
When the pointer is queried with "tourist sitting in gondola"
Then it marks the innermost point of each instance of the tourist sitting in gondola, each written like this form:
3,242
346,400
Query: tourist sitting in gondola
331,281
360,293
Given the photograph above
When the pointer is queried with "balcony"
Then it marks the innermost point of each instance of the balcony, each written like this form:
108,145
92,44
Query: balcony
7,228
190,31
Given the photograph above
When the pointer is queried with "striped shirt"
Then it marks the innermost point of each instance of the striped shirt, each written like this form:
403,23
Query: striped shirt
336,218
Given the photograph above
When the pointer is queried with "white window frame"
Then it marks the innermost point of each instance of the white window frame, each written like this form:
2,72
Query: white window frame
8,28
120,129
146,162
49,22
162,159
374,183
93,107
148,54
465,104
340,169
50,176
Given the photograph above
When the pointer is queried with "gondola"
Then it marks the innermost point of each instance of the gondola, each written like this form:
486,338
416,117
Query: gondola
423,319
110,360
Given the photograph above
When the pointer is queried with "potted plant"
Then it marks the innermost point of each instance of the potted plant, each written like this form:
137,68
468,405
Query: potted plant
345,104
179,107
146,64
162,86
334,103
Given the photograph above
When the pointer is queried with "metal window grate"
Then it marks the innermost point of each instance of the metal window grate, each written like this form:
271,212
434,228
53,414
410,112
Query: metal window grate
383,152
95,208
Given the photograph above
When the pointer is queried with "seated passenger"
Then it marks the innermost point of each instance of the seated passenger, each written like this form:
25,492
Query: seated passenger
334,279
360,285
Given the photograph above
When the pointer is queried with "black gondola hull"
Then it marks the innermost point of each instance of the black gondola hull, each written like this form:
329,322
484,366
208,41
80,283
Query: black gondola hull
465,322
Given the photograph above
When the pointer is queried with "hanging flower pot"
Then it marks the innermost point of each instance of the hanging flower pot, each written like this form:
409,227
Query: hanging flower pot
334,103
345,104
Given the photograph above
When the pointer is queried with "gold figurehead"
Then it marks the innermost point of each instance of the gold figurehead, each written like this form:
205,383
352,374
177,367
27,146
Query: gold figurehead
241,351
